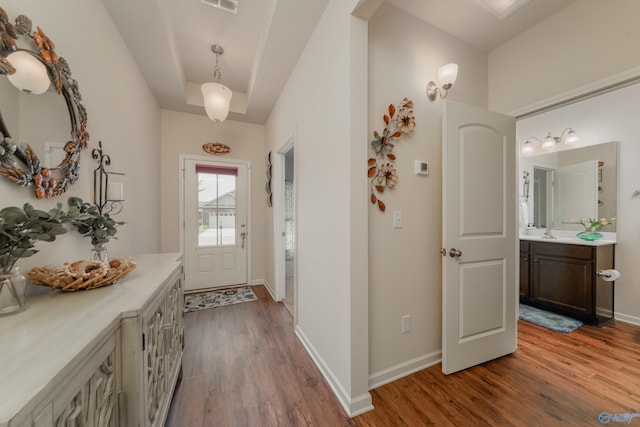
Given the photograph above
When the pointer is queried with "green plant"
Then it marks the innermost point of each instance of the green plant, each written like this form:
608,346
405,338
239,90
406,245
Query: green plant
595,224
89,221
21,228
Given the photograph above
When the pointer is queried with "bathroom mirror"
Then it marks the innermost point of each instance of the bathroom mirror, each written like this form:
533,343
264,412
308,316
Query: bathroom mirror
568,185
43,127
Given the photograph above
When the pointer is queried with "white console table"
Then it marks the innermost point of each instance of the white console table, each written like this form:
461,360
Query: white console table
105,357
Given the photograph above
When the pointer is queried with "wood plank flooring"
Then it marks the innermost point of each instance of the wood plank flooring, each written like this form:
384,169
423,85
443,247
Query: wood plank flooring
243,366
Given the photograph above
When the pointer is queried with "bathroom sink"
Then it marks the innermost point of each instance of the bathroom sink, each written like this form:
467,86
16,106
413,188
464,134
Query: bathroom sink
561,236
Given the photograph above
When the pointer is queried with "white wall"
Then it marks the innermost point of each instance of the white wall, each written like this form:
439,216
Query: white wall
610,117
122,113
324,104
405,276
585,42
185,134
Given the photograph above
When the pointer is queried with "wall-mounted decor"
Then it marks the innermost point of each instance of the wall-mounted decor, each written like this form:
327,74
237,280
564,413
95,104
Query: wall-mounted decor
31,64
216,148
399,121
268,184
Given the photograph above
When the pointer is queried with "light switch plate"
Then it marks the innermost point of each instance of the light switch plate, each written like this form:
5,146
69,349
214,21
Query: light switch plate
397,219
421,167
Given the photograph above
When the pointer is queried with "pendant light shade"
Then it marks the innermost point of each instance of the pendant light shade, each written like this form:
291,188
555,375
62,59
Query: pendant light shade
31,74
216,96
216,100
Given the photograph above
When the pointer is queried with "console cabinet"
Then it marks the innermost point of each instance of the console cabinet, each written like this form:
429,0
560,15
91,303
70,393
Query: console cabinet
109,357
562,278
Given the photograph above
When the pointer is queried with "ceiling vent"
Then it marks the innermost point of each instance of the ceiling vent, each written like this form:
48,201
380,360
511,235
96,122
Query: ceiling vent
228,5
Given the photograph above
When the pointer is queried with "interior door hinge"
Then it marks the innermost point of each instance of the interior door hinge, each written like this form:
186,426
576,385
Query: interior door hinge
144,344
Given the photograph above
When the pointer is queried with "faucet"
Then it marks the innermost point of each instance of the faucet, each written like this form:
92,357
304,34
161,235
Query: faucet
547,234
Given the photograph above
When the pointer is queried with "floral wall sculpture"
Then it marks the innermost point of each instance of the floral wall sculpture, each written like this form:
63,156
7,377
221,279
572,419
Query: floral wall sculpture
382,171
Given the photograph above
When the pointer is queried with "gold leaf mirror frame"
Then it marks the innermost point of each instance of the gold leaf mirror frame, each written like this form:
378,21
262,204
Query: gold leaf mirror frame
18,161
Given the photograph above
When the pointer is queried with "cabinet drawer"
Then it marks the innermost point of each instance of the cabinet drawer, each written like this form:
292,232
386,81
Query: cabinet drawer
564,250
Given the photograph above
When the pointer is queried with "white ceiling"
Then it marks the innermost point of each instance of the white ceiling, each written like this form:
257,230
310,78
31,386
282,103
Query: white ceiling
170,41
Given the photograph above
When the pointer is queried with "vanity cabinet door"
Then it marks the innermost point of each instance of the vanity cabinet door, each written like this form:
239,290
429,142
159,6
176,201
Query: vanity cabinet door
174,330
524,271
563,284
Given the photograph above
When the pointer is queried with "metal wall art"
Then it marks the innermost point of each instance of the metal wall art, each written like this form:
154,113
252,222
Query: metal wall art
216,148
268,184
18,161
399,121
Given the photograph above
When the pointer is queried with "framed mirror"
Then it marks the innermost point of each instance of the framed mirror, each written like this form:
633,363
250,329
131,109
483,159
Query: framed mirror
570,185
43,124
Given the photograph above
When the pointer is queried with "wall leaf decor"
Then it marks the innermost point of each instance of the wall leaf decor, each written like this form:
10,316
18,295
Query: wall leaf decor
381,168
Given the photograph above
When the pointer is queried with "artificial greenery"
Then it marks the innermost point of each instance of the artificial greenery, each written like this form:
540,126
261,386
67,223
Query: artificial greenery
21,228
89,221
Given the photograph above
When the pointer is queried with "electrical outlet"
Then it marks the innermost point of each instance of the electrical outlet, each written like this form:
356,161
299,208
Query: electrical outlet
406,323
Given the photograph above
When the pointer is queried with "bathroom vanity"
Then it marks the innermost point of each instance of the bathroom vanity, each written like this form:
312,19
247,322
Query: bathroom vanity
560,275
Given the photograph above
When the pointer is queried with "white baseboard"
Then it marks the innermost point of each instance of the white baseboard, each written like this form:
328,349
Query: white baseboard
353,406
627,318
404,369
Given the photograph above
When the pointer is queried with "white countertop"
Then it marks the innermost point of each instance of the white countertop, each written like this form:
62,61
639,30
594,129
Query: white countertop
44,341
568,237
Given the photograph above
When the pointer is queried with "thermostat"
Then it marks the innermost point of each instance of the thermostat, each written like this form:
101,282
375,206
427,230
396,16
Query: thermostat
421,168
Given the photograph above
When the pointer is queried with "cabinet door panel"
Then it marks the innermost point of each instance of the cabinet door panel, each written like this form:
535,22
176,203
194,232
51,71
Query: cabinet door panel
565,283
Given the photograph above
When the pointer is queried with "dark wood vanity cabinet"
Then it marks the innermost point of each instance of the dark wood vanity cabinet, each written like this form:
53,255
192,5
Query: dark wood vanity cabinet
562,278
524,270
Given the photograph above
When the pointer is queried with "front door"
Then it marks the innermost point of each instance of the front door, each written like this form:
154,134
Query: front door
215,223
479,237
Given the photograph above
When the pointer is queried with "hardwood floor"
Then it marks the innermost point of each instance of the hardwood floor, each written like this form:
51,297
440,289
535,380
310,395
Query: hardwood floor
551,380
243,366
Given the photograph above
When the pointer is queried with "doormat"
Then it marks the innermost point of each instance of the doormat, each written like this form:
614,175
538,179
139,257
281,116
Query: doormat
195,302
546,319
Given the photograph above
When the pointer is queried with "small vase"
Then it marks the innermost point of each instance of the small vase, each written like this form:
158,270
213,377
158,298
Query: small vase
589,236
100,253
12,292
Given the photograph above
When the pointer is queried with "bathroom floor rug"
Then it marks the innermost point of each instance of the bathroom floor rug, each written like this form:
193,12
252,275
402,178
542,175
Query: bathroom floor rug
546,319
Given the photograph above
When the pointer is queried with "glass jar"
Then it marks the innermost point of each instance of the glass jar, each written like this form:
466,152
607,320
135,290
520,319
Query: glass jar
100,253
12,292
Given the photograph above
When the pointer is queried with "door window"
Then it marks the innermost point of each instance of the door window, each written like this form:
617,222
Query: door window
216,205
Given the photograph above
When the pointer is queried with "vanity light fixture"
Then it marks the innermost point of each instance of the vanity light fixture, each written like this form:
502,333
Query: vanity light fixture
217,96
31,74
567,137
447,75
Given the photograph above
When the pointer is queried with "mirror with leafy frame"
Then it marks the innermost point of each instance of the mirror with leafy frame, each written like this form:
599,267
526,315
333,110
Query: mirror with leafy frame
18,161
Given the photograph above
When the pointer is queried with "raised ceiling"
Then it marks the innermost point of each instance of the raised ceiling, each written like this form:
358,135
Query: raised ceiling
171,39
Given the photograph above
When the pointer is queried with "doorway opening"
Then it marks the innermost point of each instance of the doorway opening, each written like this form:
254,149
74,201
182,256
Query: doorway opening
289,230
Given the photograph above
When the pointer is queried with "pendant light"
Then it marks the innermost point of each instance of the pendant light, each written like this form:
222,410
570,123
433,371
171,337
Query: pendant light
216,95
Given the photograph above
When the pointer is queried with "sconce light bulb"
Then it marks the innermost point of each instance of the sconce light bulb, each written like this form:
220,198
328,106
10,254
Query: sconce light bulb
572,137
527,147
31,74
549,141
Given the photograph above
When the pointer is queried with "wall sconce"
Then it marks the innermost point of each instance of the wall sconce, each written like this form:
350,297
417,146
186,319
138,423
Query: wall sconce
31,74
567,137
217,96
107,196
447,75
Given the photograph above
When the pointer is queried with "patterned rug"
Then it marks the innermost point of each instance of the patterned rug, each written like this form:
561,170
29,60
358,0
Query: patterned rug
555,322
194,302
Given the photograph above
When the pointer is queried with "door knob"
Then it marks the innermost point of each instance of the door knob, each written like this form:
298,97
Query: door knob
443,251
454,253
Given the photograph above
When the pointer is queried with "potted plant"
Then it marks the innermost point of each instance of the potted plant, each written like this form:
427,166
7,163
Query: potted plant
91,222
20,229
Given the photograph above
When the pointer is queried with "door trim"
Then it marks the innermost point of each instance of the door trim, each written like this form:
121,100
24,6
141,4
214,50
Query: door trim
181,197
279,217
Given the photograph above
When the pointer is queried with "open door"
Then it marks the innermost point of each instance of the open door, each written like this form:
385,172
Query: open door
479,282
576,194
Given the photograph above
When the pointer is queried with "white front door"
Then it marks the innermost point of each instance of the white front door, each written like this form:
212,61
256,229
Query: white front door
479,282
215,223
